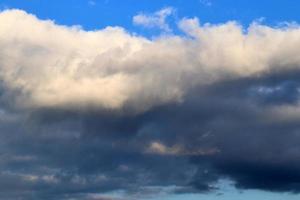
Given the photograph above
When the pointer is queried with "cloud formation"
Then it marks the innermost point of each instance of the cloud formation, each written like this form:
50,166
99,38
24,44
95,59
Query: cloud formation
111,69
83,113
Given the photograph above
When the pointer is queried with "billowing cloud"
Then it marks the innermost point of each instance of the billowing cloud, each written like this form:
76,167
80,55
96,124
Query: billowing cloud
86,113
102,68
51,65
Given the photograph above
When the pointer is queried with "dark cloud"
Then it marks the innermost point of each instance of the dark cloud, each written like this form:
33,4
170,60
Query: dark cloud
223,131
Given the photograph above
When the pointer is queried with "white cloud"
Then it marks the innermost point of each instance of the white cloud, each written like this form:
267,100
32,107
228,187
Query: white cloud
51,65
158,19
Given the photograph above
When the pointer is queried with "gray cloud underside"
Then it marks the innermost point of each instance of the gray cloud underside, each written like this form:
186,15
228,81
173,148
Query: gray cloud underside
85,113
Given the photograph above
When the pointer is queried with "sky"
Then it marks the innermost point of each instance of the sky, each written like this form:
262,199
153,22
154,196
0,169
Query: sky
140,99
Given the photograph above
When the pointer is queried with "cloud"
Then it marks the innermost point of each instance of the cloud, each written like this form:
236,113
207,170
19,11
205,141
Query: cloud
158,19
86,113
82,69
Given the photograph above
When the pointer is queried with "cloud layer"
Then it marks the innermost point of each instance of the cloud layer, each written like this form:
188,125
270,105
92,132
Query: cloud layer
84,113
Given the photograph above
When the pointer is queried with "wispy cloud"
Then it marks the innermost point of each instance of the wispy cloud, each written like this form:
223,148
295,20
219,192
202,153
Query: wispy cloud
155,20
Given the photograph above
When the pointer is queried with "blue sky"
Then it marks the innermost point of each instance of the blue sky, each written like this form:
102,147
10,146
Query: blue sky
254,91
97,14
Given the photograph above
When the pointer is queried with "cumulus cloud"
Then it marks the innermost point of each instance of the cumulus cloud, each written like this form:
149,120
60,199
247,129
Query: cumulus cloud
158,19
110,68
221,101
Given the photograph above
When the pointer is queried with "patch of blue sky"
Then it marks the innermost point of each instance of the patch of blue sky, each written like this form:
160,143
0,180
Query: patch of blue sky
229,192
97,14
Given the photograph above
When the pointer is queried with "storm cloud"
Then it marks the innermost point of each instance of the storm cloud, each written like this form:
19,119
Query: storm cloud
85,113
